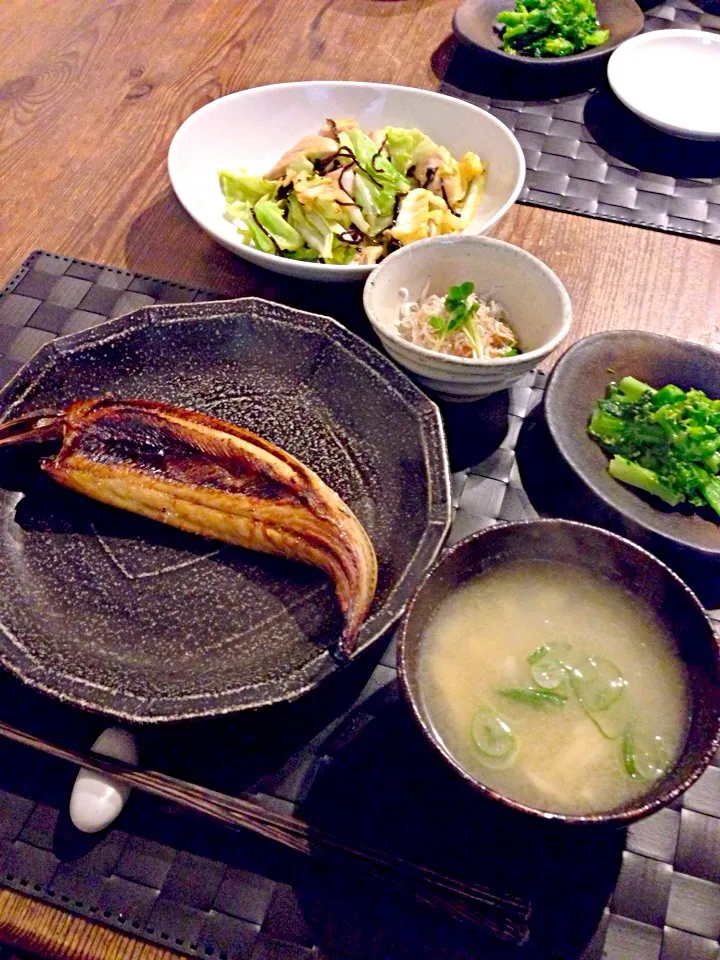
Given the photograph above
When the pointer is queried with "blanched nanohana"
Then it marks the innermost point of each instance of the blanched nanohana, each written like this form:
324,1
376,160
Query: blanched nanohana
345,196
665,442
551,28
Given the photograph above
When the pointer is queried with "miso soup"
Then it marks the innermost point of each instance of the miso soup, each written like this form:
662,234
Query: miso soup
555,687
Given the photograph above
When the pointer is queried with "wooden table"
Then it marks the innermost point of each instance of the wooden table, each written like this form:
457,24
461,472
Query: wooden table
91,92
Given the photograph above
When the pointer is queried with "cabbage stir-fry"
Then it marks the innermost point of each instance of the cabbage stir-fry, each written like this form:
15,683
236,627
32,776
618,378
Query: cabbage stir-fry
344,196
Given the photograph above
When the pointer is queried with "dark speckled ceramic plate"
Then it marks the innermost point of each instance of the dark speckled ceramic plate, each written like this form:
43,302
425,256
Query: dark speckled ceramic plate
126,616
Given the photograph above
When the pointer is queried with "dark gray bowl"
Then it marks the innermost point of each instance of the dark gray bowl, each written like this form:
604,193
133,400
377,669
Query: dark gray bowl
580,378
605,554
475,24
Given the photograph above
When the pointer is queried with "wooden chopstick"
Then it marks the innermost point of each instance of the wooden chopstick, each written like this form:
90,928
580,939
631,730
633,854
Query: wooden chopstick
504,915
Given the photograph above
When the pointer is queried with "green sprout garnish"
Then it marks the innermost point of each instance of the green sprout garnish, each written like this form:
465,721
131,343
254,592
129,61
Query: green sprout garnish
459,313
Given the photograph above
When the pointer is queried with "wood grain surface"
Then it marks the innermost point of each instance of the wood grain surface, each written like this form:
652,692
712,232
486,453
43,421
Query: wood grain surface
91,92
44,931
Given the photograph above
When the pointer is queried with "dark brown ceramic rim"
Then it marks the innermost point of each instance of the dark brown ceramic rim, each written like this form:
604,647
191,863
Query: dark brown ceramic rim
634,509
282,684
634,810
593,54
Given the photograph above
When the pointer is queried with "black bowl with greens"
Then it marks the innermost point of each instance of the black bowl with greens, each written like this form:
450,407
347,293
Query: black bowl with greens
539,35
634,415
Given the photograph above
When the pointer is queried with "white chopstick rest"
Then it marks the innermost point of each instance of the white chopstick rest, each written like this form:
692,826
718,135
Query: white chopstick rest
97,800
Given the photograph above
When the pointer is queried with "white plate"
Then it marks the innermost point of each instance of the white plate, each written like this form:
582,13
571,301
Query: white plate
251,129
671,78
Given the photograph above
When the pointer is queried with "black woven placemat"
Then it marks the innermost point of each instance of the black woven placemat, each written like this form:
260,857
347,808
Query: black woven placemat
586,153
347,757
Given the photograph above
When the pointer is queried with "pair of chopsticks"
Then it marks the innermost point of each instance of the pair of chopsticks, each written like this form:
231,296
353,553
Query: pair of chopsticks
503,915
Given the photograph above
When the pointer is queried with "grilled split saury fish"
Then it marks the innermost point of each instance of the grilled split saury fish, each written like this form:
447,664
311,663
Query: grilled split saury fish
208,477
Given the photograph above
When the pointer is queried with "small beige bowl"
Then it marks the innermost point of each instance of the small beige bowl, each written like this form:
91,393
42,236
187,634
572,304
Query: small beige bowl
537,304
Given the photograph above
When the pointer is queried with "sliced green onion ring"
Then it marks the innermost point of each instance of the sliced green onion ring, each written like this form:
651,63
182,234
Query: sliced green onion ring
539,654
548,649
493,738
548,668
597,683
644,757
548,673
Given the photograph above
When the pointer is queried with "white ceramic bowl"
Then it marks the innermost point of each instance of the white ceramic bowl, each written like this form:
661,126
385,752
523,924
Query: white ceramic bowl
537,304
671,78
251,129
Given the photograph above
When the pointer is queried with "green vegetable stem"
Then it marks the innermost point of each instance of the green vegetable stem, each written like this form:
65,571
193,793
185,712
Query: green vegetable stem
533,697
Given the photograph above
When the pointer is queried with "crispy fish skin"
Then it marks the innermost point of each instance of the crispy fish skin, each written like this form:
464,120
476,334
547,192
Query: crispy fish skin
212,478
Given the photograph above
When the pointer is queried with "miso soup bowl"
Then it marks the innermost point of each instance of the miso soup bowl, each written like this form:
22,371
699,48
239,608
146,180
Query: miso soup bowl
603,554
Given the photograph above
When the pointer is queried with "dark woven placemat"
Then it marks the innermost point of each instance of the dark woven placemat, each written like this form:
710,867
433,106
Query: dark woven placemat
347,757
586,153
